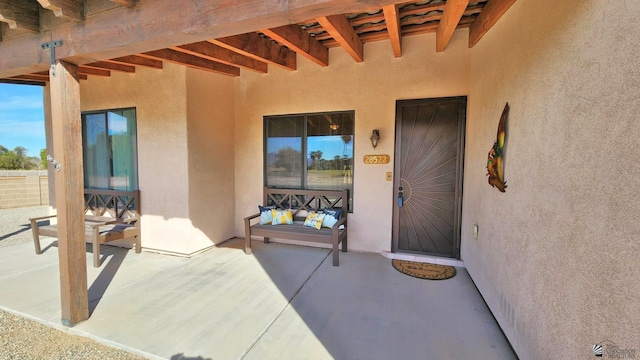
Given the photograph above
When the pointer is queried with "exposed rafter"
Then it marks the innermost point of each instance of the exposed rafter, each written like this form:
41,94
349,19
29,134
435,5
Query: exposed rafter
341,30
192,61
104,65
257,47
451,16
125,3
355,24
392,19
220,54
296,38
137,61
93,71
20,15
67,9
44,75
491,13
19,81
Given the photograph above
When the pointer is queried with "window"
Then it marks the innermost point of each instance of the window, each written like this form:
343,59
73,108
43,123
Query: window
309,151
109,149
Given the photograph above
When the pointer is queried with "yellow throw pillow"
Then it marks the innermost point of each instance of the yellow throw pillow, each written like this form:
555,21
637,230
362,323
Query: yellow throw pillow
314,220
282,217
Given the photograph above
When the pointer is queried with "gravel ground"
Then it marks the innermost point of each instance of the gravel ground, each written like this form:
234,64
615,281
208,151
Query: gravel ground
14,224
22,338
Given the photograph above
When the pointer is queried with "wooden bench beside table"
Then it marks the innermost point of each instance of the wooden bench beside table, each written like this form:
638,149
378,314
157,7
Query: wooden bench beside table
301,202
108,215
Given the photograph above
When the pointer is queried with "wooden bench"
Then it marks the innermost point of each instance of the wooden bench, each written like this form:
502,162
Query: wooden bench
108,215
301,202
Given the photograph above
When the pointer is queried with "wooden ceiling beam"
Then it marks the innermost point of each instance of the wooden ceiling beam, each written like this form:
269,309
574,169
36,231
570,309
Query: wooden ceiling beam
392,19
192,61
20,15
105,65
18,81
137,61
342,31
260,48
453,11
44,75
67,9
125,3
92,71
408,31
422,9
491,13
156,24
297,39
30,77
220,54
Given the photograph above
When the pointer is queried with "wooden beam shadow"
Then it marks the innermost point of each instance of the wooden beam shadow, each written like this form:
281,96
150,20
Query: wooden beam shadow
110,269
26,227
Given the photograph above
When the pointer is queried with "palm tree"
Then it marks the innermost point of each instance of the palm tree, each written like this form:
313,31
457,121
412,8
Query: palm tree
315,157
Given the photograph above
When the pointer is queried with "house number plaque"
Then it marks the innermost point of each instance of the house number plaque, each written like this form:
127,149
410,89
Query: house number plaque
376,159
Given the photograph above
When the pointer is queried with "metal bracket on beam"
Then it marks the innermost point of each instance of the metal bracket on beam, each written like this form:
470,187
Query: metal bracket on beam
53,162
51,45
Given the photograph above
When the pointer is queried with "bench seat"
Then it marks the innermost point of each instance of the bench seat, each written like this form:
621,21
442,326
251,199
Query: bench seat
295,232
109,215
302,202
106,232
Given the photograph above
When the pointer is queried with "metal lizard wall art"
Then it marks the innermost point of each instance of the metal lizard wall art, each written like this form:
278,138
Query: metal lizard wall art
495,161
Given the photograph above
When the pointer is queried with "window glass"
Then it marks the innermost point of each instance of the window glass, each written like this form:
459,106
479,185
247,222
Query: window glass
110,150
309,151
284,151
330,151
95,151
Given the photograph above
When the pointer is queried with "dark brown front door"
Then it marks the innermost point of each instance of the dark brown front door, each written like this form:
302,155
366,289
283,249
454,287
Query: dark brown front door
428,176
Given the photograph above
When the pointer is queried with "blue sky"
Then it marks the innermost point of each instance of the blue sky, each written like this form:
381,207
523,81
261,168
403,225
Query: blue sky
330,145
22,118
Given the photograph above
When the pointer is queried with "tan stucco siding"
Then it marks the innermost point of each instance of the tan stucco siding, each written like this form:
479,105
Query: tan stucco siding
210,131
371,89
159,97
185,152
557,254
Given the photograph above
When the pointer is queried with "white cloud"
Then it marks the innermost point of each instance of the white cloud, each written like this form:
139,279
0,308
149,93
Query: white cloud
17,102
21,129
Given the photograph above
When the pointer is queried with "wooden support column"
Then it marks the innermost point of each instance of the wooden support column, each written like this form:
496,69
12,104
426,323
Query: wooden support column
67,151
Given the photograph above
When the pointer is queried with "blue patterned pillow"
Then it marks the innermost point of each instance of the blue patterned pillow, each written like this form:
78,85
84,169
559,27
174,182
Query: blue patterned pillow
331,217
314,220
266,217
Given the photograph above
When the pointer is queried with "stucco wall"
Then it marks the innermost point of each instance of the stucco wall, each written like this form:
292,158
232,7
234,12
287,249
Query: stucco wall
185,151
557,254
371,89
159,97
210,131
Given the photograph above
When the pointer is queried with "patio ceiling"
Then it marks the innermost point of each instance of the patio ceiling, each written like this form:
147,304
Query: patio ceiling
256,50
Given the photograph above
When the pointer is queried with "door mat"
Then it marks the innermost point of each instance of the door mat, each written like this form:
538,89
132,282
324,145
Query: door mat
424,270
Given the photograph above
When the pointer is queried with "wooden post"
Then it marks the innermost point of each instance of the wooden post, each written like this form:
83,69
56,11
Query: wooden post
67,151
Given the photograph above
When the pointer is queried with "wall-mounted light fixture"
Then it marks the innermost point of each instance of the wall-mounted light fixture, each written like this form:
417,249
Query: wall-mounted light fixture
334,127
375,137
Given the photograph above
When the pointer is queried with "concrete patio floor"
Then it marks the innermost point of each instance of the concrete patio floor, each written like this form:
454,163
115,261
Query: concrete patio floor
283,302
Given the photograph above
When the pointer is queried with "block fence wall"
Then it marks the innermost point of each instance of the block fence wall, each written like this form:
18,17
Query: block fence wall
21,188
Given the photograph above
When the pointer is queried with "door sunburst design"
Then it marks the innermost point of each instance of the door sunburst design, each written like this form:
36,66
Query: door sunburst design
428,169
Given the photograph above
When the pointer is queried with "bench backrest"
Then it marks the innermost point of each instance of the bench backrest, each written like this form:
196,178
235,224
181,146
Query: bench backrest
303,201
112,203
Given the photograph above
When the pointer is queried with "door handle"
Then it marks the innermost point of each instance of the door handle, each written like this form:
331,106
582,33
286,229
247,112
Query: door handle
400,197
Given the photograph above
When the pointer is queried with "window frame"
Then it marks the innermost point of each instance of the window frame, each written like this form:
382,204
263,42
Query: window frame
304,149
106,112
